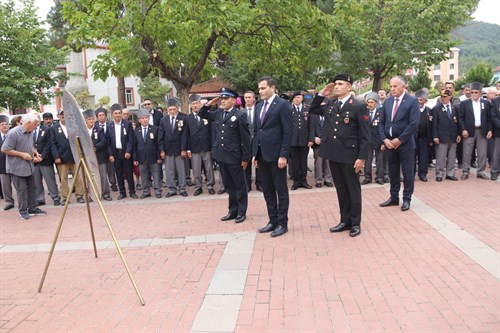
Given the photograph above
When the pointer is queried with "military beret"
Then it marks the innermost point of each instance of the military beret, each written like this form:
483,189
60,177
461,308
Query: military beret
476,86
446,93
372,95
173,102
99,110
228,92
296,93
343,77
116,107
47,115
423,94
194,98
88,114
142,113
4,119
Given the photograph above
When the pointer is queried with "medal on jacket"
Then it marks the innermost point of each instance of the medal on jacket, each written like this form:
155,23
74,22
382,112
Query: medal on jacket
233,119
124,131
205,121
151,135
43,133
346,119
59,130
179,125
95,135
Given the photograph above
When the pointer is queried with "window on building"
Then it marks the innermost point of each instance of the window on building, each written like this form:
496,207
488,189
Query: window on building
452,77
452,66
437,67
452,55
129,96
437,78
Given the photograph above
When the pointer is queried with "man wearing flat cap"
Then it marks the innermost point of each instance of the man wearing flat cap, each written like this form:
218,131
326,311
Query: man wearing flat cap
445,135
372,102
345,143
473,117
102,122
299,148
173,147
121,138
231,149
424,135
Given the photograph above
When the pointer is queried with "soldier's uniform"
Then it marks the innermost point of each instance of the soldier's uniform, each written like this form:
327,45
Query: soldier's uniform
299,148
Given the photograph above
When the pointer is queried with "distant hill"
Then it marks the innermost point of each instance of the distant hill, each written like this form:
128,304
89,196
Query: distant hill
479,43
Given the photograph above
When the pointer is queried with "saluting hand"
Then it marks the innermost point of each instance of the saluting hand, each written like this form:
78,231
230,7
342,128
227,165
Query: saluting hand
326,91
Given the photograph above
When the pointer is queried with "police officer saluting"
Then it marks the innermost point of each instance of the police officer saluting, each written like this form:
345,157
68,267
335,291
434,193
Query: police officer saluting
231,148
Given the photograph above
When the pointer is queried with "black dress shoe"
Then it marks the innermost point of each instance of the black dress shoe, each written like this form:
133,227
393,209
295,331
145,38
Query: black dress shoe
189,182
366,181
280,230
319,185
107,198
147,195
390,202
170,194
439,179
114,188
240,218
40,203
198,191
229,216
134,196
121,196
268,228
211,191
380,181
183,193
423,178
57,202
306,185
80,200
387,180
222,191
494,176
340,227
452,178
8,206
328,184
405,206
295,186
158,195
355,231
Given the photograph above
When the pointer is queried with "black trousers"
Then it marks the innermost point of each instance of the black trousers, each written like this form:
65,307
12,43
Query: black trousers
124,170
236,186
348,192
299,164
275,189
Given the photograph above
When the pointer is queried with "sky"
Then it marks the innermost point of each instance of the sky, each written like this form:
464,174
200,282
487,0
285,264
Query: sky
487,11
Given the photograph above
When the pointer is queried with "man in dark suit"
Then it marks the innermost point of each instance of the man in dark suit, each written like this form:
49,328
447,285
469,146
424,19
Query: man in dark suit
446,135
495,126
249,97
102,122
147,154
273,129
322,172
424,135
155,115
473,117
45,168
64,160
231,149
399,119
375,142
173,147
121,138
199,146
299,148
345,143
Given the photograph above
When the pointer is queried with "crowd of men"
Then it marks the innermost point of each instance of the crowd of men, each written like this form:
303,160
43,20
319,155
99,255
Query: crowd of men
396,130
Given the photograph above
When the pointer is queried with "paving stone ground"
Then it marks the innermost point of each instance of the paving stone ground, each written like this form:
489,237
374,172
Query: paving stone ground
434,268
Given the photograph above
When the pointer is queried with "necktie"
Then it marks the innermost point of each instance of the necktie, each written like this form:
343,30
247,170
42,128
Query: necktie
396,105
371,115
35,132
298,109
321,119
197,119
250,116
263,113
145,132
449,111
172,123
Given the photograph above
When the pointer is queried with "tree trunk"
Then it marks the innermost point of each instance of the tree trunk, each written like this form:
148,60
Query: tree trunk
377,81
183,94
121,91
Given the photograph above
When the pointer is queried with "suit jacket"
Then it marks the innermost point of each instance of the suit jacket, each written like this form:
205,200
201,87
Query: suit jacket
375,142
251,120
172,142
60,147
445,128
43,145
404,125
315,128
346,136
3,158
466,117
495,117
102,148
199,134
272,138
126,137
157,115
146,151
232,136
300,136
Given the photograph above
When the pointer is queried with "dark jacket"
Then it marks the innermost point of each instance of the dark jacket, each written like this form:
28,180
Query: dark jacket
199,134
101,144
300,136
445,128
126,137
43,145
173,141
146,151
466,117
60,147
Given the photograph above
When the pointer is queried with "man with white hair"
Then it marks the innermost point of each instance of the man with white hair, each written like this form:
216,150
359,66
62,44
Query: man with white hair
21,156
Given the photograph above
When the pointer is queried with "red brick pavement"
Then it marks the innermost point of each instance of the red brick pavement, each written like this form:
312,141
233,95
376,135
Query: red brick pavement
400,275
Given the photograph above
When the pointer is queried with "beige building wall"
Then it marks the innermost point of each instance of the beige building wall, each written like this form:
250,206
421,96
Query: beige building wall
446,70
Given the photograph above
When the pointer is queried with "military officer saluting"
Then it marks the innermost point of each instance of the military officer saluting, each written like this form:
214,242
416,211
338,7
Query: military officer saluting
231,148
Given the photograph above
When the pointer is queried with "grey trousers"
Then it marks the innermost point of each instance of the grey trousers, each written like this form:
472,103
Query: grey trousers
26,196
7,188
153,169
321,168
495,159
45,172
481,145
110,173
199,159
103,174
445,158
173,164
379,164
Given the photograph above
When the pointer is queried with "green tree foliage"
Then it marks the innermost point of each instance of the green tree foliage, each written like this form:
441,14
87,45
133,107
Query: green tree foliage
481,73
151,88
421,80
180,37
383,37
27,60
